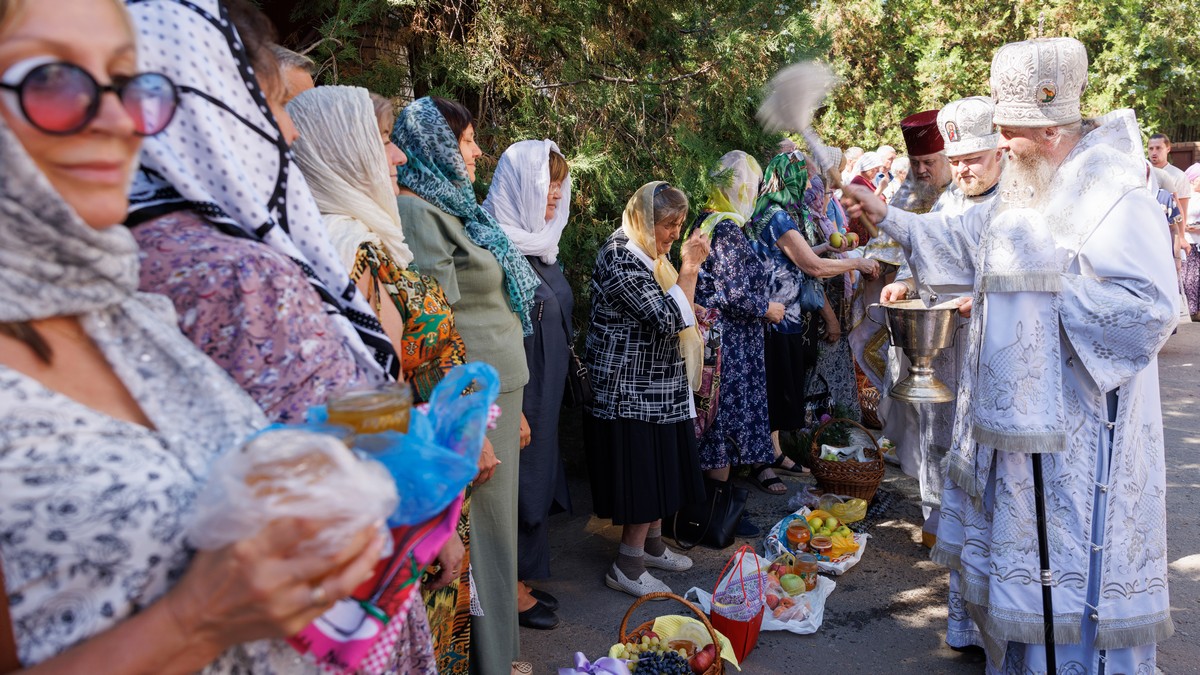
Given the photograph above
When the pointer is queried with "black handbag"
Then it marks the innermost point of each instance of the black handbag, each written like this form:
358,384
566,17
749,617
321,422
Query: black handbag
579,383
712,522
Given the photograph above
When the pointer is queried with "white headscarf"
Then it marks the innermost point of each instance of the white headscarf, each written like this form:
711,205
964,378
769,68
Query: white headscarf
868,161
517,198
225,158
340,152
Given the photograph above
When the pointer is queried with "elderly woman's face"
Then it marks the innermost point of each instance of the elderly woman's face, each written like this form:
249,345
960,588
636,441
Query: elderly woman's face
553,197
91,169
666,232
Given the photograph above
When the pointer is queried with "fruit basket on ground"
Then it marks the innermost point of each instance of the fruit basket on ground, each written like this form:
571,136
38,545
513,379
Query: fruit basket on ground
650,651
846,477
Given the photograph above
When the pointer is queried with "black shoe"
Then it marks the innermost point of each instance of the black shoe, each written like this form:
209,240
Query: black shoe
538,617
747,529
548,601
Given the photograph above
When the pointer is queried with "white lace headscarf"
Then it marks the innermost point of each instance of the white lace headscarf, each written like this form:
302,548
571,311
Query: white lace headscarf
340,151
518,195
225,158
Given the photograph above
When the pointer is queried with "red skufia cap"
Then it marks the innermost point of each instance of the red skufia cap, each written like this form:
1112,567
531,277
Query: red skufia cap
921,135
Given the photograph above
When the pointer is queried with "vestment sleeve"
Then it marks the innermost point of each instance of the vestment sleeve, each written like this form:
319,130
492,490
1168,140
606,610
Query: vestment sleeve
1120,307
945,244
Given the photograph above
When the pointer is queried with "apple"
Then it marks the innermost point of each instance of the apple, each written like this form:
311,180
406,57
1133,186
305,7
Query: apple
836,240
772,601
792,584
853,239
703,659
831,522
816,522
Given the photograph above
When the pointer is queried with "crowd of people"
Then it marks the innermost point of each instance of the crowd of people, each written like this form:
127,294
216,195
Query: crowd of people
221,245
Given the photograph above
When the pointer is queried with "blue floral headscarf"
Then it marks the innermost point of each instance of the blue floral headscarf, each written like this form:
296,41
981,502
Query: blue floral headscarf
436,172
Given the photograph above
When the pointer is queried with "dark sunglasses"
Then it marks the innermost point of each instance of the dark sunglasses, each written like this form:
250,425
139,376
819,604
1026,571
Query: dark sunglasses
61,99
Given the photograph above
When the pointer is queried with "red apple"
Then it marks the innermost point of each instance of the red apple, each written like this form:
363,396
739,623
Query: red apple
703,659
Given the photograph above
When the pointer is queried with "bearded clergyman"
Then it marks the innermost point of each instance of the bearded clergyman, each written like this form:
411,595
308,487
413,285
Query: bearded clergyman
1060,369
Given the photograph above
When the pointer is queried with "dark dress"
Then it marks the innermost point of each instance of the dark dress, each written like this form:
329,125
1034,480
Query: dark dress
736,280
791,345
543,483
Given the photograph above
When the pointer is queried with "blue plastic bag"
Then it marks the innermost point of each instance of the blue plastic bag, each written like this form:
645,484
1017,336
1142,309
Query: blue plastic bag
439,455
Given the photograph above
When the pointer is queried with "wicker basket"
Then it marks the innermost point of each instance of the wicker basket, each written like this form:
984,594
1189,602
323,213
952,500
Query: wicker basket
853,479
718,664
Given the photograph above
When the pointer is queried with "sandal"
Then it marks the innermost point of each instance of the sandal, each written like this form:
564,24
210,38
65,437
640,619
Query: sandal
767,485
794,470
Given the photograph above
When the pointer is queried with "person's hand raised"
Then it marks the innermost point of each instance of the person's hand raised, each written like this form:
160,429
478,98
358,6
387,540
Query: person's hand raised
860,201
696,249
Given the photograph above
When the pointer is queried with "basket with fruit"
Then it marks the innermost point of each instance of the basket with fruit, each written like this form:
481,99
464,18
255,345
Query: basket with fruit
649,653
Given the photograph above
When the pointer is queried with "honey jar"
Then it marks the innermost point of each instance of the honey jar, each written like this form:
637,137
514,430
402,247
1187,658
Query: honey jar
370,411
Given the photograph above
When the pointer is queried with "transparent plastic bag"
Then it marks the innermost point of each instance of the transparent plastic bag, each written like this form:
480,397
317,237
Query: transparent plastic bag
291,472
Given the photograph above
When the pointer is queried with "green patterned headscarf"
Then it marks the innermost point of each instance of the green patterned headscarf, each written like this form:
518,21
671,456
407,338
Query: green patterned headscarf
436,172
784,181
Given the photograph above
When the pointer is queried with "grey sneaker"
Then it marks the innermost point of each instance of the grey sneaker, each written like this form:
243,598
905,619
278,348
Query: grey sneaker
643,585
669,561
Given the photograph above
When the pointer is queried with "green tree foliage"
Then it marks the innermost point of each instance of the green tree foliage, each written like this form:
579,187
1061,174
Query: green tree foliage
631,90
639,90
905,56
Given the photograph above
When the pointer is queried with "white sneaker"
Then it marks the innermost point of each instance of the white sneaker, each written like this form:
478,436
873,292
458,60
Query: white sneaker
643,585
669,561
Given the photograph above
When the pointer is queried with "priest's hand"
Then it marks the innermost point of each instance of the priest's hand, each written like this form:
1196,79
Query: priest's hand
894,292
860,201
964,306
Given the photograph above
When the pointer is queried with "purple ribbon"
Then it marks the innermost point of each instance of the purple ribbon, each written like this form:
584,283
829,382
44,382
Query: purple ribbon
603,666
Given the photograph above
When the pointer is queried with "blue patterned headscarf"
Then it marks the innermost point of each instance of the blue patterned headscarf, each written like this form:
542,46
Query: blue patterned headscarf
436,172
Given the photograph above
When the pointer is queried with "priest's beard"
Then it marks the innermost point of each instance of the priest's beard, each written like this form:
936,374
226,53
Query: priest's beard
1026,180
916,196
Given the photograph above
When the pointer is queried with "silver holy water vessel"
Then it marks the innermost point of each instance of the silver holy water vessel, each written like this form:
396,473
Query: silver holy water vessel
921,332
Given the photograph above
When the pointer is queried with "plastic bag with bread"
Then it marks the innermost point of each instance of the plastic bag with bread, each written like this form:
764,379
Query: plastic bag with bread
292,472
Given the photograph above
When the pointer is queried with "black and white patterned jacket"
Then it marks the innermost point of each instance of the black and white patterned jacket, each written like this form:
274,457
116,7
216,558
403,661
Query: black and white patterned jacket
632,348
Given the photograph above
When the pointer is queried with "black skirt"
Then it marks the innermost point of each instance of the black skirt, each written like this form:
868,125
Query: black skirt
790,358
641,472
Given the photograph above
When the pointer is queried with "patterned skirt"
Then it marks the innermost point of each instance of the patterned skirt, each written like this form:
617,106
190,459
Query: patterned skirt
449,609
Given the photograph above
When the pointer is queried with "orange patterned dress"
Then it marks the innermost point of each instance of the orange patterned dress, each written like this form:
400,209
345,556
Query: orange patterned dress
431,345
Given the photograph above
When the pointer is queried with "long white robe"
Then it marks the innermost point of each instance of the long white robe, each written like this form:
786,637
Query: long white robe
923,458
1105,486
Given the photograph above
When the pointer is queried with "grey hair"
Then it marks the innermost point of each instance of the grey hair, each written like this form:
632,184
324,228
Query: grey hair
290,59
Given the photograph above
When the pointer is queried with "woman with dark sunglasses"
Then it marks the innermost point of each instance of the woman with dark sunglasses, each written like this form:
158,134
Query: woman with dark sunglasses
108,416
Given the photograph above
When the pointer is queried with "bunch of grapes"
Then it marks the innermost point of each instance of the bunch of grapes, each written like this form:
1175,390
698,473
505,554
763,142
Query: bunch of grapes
651,656
662,663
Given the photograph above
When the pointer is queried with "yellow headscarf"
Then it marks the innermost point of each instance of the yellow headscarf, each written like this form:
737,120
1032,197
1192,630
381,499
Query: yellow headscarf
638,224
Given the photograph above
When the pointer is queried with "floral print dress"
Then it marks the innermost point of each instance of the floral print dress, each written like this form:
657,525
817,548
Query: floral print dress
736,281
431,345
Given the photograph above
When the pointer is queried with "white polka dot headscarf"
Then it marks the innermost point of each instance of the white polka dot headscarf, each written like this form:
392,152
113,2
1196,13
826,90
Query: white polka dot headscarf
225,158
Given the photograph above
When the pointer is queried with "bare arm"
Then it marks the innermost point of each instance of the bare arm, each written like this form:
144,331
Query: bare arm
255,589
799,252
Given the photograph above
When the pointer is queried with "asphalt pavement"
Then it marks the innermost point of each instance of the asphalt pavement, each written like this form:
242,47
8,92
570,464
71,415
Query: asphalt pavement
887,614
